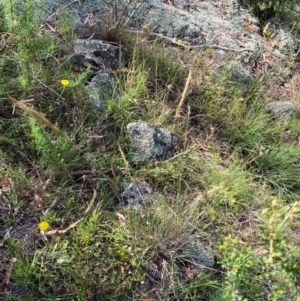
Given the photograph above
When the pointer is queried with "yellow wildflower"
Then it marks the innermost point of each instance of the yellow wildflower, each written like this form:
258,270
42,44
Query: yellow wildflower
265,33
43,226
232,201
65,82
212,214
179,40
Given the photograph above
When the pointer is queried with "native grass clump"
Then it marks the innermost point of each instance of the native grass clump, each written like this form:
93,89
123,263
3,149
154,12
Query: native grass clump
232,183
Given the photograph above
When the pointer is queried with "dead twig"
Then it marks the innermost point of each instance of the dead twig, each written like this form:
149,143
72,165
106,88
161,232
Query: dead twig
8,272
89,208
172,158
204,46
62,232
54,233
4,199
184,94
53,204
134,11
84,173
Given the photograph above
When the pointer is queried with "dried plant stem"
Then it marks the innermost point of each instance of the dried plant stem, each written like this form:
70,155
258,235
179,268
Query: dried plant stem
124,160
184,94
39,117
204,46
9,270
4,199
53,204
88,210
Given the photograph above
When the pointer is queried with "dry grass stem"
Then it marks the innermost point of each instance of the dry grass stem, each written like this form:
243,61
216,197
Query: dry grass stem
39,117
124,160
184,94
9,270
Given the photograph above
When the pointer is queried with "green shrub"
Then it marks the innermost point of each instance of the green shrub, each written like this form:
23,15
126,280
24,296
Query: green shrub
265,9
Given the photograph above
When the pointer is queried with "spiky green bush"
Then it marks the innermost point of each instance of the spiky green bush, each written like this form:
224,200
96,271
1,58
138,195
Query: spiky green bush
266,9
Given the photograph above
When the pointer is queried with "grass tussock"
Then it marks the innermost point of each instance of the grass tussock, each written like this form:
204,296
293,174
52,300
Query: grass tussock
231,187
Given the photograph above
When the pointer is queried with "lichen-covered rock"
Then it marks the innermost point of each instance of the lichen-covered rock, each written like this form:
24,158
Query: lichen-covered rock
78,11
150,143
223,23
98,54
136,193
283,109
194,252
234,73
101,86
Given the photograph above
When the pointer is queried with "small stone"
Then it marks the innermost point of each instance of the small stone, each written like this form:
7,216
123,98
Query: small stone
135,193
150,143
98,54
194,252
235,73
101,86
283,109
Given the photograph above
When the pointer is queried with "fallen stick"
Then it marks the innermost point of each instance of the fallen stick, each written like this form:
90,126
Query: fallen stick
173,41
53,204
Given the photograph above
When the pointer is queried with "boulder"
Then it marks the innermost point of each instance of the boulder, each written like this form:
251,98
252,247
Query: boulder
150,143
98,54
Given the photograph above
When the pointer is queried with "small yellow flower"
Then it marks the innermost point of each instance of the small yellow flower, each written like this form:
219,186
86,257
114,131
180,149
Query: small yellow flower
232,201
212,214
179,40
265,33
43,226
65,82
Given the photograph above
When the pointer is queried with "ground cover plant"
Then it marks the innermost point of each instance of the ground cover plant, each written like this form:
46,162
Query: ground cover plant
232,184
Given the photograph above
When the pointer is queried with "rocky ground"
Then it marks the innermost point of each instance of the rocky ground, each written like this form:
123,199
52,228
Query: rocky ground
235,41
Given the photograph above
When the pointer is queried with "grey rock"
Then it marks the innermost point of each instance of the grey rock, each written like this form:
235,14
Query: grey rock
195,253
239,74
97,54
224,23
283,110
101,86
234,73
76,11
136,193
150,143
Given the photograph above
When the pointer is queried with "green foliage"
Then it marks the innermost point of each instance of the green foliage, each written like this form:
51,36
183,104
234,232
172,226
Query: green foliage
273,260
53,153
22,16
266,9
233,160
123,103
256,136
